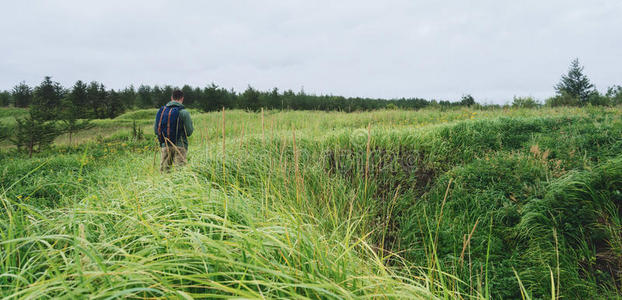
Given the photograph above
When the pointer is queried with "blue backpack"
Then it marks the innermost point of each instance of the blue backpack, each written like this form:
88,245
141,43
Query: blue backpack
168,124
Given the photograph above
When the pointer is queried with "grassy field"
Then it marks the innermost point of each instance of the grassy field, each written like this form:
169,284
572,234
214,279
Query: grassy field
455,204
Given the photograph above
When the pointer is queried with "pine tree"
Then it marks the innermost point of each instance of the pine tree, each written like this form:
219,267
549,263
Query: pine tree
274,99
78,100
575,84
32,133
213,98
467,100
114,105
47,100
144,94
128,97
159,96
189,96
250,99
22,95
167,92
96,95
71,122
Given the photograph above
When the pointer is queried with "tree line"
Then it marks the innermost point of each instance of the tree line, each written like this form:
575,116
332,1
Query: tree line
54,110
94,101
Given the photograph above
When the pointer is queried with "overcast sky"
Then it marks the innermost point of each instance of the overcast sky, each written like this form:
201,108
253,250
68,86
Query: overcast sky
431,49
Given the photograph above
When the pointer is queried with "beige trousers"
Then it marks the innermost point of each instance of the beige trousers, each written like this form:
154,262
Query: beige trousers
172,155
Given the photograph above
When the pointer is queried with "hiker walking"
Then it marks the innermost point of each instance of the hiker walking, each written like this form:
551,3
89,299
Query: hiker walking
173,126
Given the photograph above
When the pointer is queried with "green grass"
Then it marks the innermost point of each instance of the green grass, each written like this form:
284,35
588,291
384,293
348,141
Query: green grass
455,204
8,115
10,112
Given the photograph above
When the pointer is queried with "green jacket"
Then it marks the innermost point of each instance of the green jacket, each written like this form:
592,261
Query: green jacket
186,122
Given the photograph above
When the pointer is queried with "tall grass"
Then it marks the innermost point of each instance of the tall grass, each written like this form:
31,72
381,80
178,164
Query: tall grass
389,204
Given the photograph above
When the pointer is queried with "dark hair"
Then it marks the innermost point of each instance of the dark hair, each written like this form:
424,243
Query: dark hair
177,94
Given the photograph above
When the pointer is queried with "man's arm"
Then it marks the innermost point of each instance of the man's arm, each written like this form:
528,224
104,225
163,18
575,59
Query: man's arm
187,121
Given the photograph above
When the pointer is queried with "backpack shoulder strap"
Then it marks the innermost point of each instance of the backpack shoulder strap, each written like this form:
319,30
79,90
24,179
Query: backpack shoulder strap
162,111
168,123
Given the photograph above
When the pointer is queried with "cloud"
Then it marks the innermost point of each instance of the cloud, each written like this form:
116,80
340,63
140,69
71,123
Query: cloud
491,49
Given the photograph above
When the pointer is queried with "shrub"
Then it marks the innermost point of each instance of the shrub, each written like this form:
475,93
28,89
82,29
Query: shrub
525,102
564,99
598,100
467,100
614,94
33,134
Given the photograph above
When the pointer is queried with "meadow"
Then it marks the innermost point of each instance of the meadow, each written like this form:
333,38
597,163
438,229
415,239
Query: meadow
452,203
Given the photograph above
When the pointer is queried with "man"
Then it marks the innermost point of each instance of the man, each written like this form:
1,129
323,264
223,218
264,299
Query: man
173,126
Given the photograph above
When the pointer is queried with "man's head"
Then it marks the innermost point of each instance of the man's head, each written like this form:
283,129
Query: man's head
178,96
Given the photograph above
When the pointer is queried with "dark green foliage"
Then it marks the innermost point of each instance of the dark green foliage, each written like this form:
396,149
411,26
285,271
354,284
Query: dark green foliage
5,98
144,97
597,99
128,97
97,102
113,104
250,99
525,102
161,96
88,101
22,95
96,95
573,90
189,95
213,98
33,133
47,98
78,100
467,100
564,99
270,99
614,94
575,84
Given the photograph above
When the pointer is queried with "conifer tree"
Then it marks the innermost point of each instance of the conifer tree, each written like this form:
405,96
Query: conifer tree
32,133
144,95
575,84
114,105
128,96
47,100
79,100
250,99
22,95
71,123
